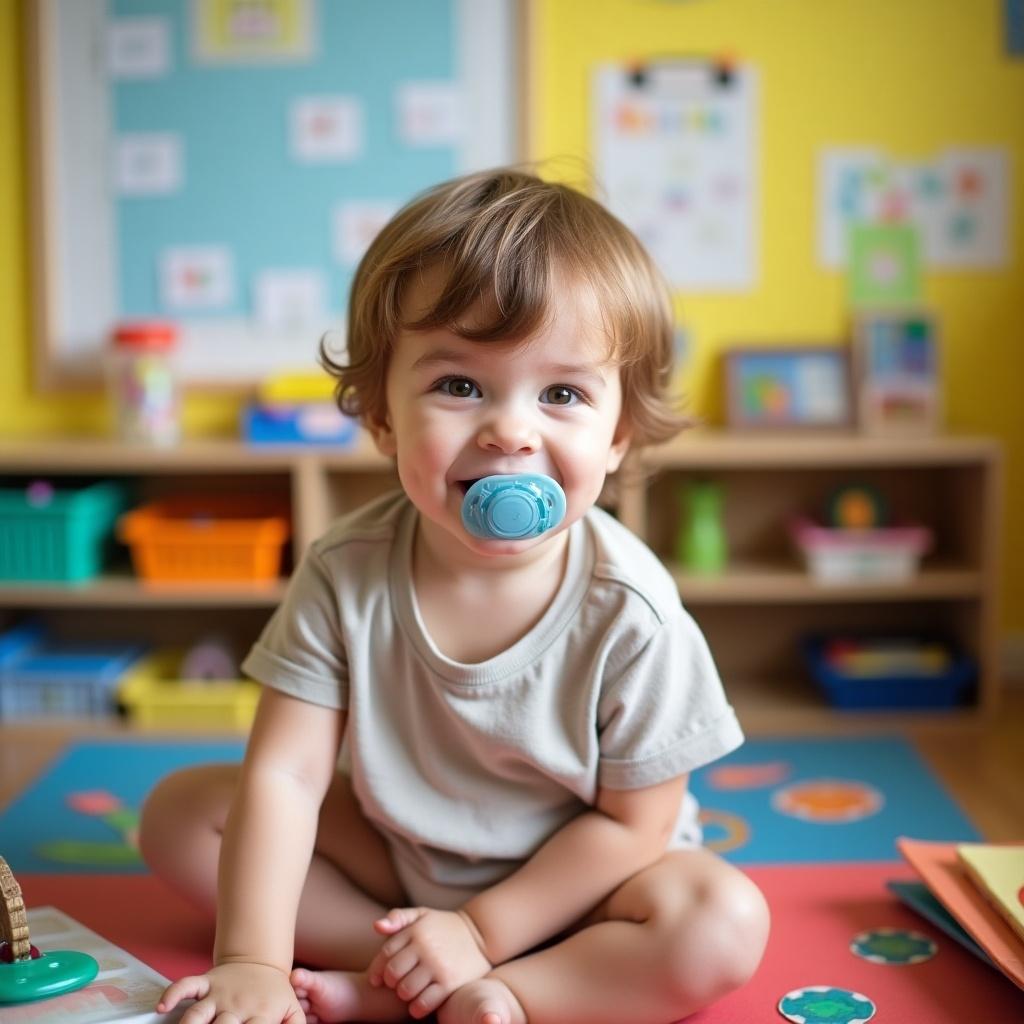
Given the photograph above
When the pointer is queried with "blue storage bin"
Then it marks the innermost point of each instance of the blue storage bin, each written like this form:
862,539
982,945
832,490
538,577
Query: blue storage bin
946,689
319,423
41,677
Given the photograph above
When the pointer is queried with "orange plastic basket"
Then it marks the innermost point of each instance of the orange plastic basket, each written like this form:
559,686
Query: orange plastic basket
215,539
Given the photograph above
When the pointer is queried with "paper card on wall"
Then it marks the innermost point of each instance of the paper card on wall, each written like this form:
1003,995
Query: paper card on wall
326,129
149,164
197,278
430,113
285,299
252,30
355,225
138,48
957,202
884,265
676,157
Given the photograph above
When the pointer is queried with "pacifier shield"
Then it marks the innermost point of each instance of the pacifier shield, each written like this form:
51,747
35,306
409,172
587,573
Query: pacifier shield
513,507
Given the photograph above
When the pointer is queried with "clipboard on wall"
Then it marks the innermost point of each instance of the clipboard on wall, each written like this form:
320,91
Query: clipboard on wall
223,163
675,144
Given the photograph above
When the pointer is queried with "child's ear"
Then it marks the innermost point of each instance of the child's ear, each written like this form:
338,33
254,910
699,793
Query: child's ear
619,446
383,436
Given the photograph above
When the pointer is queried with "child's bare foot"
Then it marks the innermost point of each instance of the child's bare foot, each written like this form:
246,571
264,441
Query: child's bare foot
487,1001
330,996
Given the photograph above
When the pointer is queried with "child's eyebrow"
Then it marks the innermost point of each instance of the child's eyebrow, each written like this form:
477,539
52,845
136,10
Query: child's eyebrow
572,370
439,355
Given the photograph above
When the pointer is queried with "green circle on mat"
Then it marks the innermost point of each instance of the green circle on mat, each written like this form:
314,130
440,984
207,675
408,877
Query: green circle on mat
823,1004
893,946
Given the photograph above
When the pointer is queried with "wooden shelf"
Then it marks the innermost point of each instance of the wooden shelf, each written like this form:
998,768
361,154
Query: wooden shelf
754,613
724,450
129,592
787,705
768,581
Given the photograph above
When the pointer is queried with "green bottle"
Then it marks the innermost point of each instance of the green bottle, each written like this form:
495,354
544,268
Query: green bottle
701,545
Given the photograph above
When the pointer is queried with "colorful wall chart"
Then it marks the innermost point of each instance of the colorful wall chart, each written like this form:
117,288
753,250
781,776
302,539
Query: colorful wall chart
958,202
676,160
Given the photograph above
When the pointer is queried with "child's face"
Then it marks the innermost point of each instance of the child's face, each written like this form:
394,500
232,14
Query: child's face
459,410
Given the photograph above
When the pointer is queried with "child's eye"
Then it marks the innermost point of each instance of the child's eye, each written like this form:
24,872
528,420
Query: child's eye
458,387
559,394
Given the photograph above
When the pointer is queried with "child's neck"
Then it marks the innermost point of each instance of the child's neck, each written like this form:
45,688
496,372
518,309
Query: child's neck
453,587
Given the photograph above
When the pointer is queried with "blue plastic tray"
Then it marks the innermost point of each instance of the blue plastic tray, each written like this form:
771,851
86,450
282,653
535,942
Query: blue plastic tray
40,677
947,689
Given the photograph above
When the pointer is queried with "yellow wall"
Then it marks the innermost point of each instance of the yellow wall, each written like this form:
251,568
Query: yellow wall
908,76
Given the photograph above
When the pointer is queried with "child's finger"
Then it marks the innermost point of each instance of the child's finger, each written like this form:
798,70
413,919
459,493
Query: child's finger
399,966
375,972
191,987
397,919
427,1001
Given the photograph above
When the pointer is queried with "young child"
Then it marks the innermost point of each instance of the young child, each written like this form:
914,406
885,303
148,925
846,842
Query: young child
509,837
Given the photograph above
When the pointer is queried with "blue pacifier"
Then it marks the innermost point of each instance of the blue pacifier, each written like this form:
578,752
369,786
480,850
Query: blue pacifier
513,507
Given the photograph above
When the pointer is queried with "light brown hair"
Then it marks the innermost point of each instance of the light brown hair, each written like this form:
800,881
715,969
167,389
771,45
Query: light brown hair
500,237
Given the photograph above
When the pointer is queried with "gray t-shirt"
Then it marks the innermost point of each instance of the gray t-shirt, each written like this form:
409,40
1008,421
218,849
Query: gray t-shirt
468,769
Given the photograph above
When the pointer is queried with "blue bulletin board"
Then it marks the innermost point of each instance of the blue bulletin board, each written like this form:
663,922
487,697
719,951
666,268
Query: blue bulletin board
224,163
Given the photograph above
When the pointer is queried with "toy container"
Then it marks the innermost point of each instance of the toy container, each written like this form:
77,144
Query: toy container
43,677
154,696
885,555
947,686
215,539
57,534
143,380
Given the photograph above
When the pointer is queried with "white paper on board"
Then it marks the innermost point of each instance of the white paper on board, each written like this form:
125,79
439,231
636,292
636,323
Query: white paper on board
958,201
138,48
197,278
285,299
355,224
326,129
677,162
430,113
149,164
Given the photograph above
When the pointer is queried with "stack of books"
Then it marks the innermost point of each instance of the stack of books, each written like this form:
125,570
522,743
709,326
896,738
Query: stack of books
975,893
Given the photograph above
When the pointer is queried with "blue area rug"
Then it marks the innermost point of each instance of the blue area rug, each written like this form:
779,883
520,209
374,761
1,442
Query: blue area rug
771,802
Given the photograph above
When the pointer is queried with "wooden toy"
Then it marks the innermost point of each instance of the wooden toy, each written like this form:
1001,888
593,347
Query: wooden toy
26,974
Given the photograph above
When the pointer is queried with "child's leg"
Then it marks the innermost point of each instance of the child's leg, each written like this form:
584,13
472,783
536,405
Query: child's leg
670,940
351,880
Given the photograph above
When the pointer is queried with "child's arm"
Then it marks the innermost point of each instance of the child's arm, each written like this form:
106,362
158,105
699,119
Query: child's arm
267,846
431,953
579,866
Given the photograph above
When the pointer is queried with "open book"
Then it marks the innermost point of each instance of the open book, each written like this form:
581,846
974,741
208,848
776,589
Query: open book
125,990
942,870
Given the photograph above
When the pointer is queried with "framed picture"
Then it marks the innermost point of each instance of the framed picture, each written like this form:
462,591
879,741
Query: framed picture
897,372
788,387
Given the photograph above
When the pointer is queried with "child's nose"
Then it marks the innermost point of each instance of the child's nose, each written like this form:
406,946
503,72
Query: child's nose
509,433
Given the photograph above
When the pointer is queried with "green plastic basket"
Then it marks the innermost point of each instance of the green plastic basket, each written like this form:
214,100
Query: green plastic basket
56,534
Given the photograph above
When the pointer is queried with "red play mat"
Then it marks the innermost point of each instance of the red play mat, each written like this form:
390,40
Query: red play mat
816,911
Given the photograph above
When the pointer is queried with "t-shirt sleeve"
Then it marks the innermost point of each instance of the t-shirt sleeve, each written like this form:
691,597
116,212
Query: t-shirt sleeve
301,651
664,713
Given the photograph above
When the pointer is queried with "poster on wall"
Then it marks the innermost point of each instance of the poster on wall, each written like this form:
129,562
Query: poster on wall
676,158
957,201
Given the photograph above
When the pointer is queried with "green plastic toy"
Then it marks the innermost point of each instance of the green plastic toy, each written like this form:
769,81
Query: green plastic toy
26,974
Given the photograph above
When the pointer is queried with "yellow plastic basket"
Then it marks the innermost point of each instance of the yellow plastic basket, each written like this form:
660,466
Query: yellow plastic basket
154,698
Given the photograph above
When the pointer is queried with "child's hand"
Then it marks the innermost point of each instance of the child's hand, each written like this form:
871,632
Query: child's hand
243,991
430,954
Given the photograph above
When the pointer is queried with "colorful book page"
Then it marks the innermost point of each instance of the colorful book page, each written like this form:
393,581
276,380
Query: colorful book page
998,871
940,868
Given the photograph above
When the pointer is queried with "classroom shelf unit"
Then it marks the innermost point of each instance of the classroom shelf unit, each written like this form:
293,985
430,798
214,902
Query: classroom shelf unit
753,613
